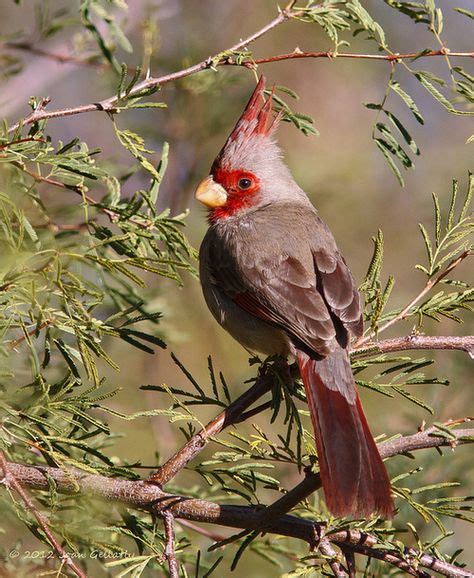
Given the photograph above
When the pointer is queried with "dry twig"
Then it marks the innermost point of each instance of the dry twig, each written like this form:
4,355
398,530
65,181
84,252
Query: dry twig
10,481
170,556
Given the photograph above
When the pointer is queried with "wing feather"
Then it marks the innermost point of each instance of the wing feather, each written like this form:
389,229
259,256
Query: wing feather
306,289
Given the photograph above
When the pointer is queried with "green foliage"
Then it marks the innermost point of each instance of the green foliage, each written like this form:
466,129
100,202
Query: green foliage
352,16
69,280
91,9
451,244
302,122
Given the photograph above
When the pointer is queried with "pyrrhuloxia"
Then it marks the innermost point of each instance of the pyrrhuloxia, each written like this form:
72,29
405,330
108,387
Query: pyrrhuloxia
273,277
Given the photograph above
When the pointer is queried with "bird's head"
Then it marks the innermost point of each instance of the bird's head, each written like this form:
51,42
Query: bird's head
249,171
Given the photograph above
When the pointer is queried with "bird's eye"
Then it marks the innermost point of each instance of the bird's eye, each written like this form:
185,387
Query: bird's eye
245,184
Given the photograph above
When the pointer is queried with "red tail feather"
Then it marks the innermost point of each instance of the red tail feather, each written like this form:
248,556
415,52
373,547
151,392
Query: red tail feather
353,475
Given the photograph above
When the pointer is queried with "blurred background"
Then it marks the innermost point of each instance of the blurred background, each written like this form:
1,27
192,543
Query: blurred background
341,170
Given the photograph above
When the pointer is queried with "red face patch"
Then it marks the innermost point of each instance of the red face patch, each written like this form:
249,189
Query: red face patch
241,187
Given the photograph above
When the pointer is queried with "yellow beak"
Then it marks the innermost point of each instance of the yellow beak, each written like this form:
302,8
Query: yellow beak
210,193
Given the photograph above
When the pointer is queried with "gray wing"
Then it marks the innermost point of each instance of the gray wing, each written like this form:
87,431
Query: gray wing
294,278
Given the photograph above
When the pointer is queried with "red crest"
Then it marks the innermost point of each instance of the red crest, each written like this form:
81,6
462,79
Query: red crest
256,120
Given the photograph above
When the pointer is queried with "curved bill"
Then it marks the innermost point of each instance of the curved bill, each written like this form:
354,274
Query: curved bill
210,193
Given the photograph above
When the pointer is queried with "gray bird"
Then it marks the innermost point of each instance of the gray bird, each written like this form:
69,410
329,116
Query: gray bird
273,277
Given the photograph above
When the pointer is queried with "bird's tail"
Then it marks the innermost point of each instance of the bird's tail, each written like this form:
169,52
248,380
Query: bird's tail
353,476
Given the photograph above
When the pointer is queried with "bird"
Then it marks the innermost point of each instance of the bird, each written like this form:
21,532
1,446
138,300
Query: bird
274,279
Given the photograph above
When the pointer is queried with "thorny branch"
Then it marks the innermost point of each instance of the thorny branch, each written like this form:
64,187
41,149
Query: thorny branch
143,495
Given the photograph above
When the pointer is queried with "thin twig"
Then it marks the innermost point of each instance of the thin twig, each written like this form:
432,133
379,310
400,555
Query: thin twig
48,180
296,54
351,563
10,481
111,212
200,530
109,104
334,55
332,558
405,312
16,342
229,416
220,59
389,558
415,341
56,56
170,555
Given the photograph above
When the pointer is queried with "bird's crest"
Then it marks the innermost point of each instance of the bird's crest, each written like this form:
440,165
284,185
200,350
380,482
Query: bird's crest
257,118
256,121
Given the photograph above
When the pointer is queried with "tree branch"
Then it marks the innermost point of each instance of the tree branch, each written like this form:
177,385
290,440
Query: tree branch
221,59
384,556
170,556
111,213
426,439
327,550
56,56
109,104
296,54
146,496
235,414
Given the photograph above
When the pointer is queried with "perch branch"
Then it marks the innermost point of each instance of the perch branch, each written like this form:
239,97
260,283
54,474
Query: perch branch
236,413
